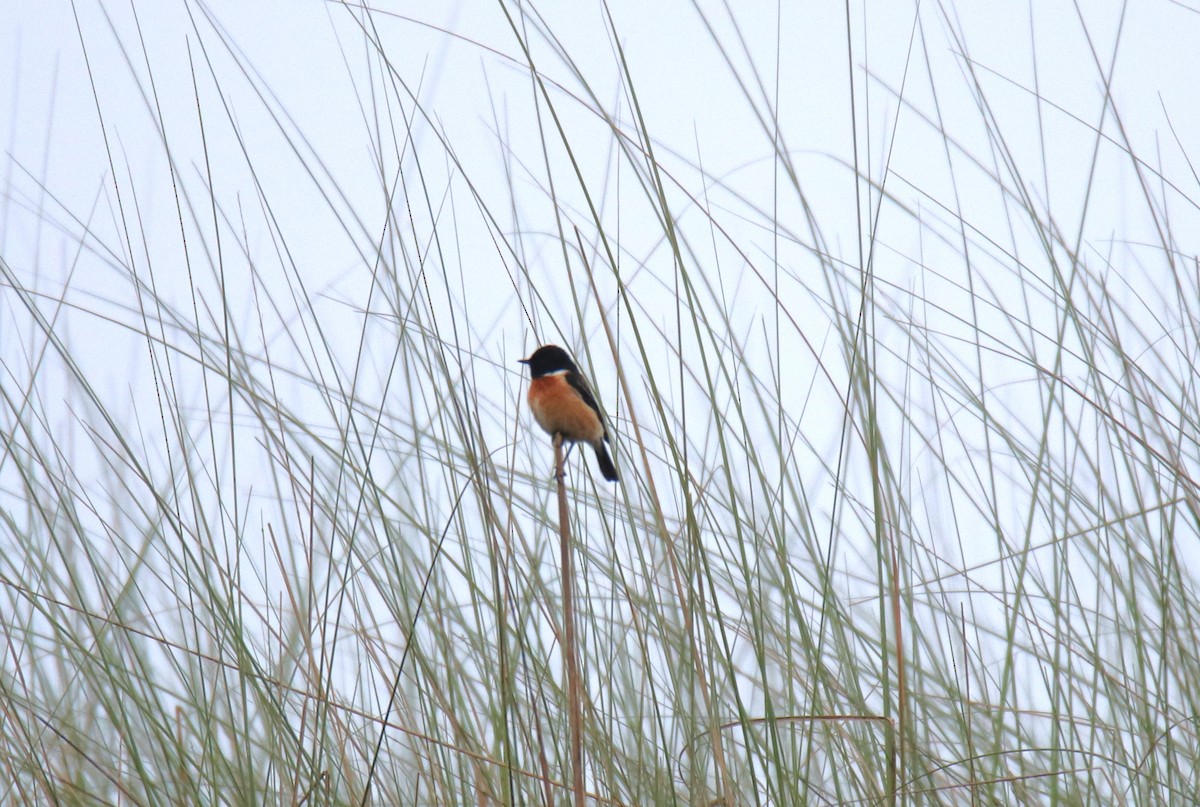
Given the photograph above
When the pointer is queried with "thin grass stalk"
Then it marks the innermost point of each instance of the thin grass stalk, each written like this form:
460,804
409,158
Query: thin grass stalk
570,652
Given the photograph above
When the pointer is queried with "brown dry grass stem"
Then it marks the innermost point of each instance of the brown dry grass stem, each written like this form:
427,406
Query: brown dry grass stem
570,653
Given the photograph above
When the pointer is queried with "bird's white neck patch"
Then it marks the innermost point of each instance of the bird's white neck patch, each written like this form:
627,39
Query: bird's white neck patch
557,372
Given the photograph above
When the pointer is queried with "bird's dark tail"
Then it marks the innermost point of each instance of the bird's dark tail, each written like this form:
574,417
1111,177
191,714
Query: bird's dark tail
604,461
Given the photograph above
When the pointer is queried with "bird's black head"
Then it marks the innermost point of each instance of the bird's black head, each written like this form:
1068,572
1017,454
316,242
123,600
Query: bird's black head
549,359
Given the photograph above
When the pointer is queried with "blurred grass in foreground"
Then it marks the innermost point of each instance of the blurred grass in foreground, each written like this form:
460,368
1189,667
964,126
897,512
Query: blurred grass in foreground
912,523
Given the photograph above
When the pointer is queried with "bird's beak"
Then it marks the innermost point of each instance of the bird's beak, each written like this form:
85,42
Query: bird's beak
522,361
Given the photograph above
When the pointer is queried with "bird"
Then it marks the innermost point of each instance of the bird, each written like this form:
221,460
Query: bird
563,404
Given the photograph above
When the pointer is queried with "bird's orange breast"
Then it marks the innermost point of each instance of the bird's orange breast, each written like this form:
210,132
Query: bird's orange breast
558,409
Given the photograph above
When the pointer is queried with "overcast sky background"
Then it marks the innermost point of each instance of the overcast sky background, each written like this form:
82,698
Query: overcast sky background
463,62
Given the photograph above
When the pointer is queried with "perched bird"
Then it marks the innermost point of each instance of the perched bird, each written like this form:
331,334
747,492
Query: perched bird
562,403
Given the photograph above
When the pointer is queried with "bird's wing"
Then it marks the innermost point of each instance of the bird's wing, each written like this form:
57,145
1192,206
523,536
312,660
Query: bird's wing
580,385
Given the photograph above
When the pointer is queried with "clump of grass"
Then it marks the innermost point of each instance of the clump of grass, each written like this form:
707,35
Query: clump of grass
908,443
